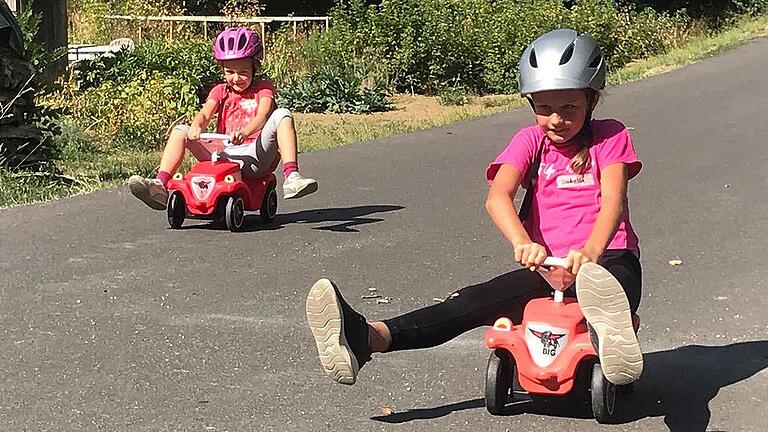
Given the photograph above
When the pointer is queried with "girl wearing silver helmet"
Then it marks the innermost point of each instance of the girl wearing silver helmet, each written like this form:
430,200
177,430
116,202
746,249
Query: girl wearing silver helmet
576,172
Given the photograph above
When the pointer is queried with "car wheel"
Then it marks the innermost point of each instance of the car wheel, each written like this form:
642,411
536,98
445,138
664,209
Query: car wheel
498,381
235,213
176,210
268,209
603,395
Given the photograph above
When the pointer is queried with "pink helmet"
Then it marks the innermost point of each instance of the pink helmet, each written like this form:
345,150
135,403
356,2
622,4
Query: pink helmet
236,43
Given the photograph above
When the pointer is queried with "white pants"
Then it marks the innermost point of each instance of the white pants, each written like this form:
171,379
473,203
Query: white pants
256,158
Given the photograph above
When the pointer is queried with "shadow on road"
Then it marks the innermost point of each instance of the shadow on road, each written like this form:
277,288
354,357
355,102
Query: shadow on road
347,218
677,384
430,413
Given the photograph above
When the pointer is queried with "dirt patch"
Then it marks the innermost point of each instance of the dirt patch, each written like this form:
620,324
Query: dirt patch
409,113
416,108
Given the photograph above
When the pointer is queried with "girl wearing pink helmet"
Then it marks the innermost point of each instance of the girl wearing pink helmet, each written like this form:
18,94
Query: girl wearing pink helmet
245,109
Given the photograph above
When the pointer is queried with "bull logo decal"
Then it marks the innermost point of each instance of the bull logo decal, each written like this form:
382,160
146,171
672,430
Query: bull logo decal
549,341
202,186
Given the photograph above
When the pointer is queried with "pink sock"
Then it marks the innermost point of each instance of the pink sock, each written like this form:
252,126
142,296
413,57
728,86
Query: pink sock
289,167
163,176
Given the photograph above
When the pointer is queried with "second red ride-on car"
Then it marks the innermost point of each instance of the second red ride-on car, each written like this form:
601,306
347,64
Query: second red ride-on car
542,356
216,190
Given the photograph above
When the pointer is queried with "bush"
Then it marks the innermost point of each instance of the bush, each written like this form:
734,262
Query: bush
187,61
452,96
131,99
333,90
716,13
284,61
88,25
134,114
421,44
424,46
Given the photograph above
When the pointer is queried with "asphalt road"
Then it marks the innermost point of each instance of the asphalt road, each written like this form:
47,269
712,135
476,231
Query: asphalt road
111,321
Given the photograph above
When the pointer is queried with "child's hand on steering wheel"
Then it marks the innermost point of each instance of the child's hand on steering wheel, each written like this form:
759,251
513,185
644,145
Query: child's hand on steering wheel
194,132
530,255
576,258
236,137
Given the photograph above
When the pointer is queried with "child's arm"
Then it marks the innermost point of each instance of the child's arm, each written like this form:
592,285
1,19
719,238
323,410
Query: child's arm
202,119
257,122
501,208
613,192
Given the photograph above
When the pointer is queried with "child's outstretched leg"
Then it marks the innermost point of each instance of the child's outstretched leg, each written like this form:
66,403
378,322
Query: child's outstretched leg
295,186
345,340
606,307
153,192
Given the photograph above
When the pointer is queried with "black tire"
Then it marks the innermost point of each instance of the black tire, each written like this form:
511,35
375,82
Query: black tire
220,213
498,381
582,383
177,210
268,209
603,396
235,213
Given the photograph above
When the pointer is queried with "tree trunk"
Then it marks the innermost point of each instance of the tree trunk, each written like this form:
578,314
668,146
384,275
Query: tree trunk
53,29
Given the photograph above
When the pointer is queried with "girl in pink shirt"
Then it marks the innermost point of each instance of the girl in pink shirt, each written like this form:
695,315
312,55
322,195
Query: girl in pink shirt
245,109
576,171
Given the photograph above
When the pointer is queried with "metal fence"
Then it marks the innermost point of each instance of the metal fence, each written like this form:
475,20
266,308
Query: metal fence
205,20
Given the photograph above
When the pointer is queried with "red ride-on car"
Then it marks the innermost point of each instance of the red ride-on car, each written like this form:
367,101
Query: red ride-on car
542,355
216,190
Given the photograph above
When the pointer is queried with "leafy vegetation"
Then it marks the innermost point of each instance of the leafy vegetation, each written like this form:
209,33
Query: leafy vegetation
119,109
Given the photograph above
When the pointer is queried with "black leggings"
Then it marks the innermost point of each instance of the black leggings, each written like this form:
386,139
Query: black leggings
505,295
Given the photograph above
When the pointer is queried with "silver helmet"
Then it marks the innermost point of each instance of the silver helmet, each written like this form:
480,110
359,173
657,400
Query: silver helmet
562,60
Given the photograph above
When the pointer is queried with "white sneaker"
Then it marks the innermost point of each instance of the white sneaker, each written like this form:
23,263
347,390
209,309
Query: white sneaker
150,191
296,186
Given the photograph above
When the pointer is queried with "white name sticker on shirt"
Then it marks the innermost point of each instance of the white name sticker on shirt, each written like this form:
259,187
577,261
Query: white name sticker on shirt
248,104
575,181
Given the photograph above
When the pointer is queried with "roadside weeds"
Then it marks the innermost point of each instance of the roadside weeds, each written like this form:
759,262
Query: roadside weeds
84,170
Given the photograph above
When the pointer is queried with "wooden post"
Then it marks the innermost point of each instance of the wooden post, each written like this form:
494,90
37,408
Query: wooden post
327,23
171,32
53,29
294,30
264,39
205,29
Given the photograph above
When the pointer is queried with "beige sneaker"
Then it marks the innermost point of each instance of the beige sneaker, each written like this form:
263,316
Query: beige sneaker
150,191
296,186
341,334
606,308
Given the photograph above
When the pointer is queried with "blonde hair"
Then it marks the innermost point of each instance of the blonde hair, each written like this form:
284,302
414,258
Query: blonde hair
581,162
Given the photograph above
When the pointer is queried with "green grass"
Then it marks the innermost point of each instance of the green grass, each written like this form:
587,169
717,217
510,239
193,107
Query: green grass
87,168
698,48
26,188
346,131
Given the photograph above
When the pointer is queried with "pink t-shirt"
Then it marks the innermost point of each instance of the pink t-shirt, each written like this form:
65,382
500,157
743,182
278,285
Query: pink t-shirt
239,108
565,205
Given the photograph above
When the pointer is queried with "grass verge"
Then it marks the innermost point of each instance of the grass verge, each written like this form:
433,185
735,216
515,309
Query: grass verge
84,169
697,49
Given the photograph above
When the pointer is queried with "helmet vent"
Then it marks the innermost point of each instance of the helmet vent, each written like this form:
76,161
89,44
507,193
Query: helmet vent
242,41
230,44
596,61
567,54
532,60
